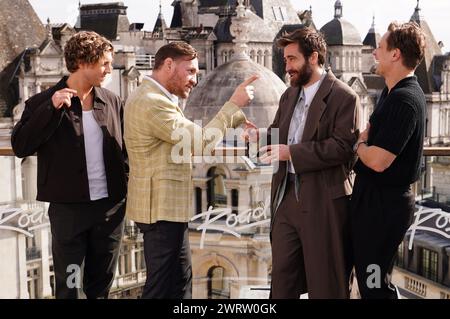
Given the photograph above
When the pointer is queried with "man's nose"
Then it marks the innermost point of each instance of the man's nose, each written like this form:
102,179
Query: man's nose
193,80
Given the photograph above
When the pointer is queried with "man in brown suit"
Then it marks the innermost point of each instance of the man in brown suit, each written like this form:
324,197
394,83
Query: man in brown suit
317,121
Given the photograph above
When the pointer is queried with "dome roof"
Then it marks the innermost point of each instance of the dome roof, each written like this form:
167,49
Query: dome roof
341,32
217,87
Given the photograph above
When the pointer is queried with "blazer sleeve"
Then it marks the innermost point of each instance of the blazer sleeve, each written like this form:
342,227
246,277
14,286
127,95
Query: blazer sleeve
38,123
168,124
337,149
273,130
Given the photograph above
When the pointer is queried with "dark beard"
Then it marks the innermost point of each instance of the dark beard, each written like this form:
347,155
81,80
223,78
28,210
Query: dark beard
303,75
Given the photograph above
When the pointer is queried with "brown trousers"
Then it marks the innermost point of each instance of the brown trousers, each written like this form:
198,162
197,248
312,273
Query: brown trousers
310,251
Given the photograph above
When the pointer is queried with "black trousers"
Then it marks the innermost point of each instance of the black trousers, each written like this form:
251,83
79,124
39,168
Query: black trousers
380,217
86,241
168,260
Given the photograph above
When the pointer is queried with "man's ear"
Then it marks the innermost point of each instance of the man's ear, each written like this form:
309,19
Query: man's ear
169,64
396,55
314,58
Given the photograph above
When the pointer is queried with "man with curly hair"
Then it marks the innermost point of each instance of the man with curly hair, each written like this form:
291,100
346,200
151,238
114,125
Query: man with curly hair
75,128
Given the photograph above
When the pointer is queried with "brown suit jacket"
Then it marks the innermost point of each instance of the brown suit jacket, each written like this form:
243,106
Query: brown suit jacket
324,158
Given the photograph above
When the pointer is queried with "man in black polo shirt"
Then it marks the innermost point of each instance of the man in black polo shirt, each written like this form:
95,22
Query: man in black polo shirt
389,151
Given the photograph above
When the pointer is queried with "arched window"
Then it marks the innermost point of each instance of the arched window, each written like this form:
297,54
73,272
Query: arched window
266,59
235,201
336,61
225,56
347,61
198,200
218,285
252,55
352,62
260,57
217,194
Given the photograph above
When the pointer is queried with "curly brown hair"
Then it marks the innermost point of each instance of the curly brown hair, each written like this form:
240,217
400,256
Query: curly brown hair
410,40
85,47
308,40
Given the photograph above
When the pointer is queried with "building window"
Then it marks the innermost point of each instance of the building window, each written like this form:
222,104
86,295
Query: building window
235,201
217,195
33,283
198,200
142,260
252,55
259,59
218,285
280,13
266,59
428,267
400,256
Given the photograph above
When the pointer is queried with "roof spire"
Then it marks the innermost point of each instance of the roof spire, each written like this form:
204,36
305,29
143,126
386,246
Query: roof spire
416,15
160,24
239,30
337,9
49,29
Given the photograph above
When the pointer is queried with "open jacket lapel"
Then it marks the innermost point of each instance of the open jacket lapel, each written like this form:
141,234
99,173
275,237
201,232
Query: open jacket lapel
317,107
290,107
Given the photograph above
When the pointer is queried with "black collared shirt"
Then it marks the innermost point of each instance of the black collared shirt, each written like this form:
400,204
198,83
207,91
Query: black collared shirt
397,125
56,136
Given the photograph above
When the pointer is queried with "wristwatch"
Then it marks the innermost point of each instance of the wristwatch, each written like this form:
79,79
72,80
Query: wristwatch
355,147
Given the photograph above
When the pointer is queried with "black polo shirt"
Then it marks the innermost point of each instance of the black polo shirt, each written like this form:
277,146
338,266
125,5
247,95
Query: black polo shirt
397,125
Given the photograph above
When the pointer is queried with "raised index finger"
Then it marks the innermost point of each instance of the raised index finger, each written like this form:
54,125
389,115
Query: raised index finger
250,80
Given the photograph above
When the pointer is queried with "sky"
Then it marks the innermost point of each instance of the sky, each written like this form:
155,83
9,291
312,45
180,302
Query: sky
358,12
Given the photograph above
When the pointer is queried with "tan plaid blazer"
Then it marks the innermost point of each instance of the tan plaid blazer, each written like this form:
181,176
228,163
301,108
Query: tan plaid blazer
159,187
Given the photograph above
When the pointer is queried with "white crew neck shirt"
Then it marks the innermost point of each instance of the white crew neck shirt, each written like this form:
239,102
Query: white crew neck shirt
93,144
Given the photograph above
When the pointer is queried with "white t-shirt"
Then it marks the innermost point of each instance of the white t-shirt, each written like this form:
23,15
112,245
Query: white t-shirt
93,144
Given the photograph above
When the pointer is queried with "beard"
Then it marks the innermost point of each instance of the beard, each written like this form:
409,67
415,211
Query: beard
302,76
177,87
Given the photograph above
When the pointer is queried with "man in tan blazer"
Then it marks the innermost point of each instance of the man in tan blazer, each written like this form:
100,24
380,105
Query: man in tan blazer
160,184
317,121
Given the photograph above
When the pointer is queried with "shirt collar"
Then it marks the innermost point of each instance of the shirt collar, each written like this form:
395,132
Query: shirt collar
309,92
172,97
98,94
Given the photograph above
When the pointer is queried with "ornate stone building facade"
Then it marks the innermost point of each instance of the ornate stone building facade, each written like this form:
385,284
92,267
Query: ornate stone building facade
225,263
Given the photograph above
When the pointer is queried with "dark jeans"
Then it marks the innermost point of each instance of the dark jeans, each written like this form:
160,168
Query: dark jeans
380,217
85,244
168,260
